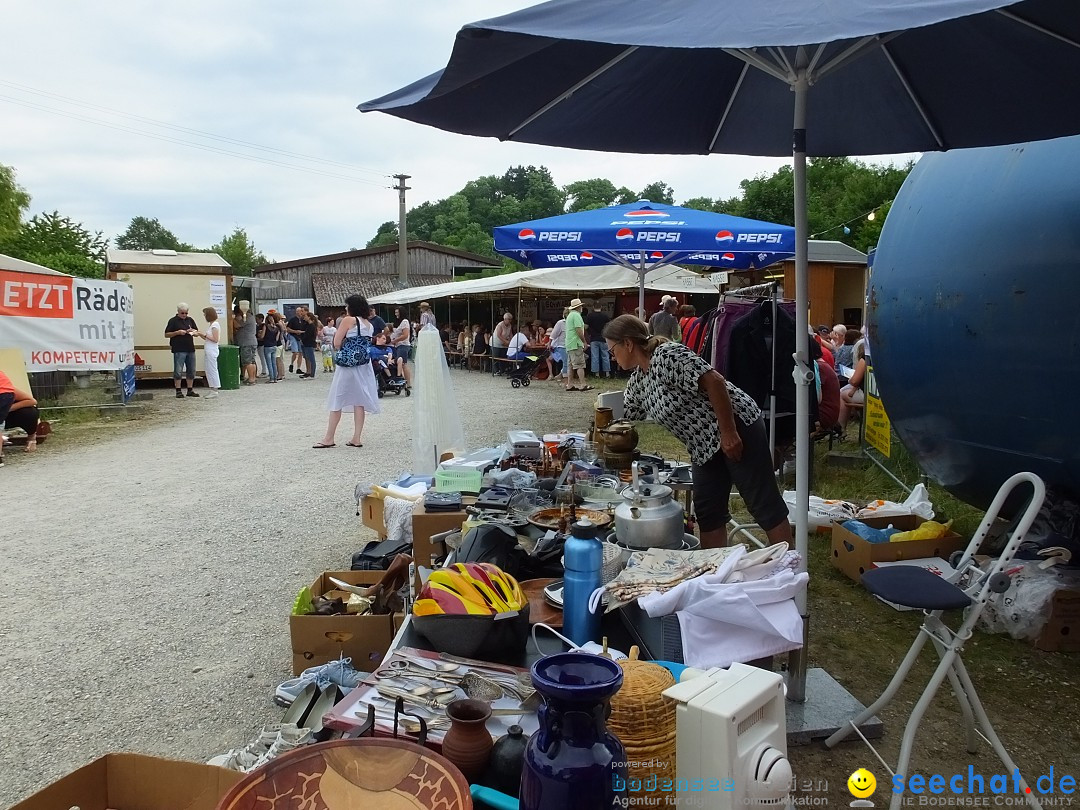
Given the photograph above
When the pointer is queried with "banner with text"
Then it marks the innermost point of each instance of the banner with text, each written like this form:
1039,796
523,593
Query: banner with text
61,323
877,429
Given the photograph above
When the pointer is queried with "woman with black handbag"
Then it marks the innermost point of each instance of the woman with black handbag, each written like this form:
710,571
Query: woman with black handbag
354,387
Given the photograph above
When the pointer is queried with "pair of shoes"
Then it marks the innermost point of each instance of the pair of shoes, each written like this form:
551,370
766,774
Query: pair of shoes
179,394
309,707
271,742
339,673
193,394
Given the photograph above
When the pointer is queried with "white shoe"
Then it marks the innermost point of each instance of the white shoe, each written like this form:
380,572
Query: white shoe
210,395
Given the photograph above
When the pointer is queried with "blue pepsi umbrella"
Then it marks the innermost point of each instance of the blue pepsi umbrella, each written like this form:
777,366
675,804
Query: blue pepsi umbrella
645,235
772,77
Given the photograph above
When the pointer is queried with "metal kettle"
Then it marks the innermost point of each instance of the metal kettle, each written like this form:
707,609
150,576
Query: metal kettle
649,516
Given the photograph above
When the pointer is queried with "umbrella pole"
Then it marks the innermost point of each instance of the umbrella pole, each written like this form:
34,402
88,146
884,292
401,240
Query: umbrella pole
796,683
641,289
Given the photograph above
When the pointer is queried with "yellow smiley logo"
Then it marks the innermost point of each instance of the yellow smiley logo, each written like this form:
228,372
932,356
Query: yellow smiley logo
862,784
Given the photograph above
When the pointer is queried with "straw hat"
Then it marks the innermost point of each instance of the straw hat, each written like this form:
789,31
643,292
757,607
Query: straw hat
577,303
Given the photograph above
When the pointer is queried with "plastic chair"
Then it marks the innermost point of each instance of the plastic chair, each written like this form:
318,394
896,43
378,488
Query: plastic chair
970,588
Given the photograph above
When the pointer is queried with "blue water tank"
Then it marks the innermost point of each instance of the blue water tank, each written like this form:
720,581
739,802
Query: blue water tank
974,317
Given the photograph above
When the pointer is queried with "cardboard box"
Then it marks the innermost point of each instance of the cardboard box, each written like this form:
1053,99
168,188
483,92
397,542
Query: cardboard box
371,514
320,639
935,565
854,556
426,524
1062,631
136,782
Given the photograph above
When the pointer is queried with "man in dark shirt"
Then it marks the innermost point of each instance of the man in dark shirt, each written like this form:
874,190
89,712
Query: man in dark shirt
598,350
179,331
378,325
294,327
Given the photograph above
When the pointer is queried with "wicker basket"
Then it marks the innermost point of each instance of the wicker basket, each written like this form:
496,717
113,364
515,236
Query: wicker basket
644,721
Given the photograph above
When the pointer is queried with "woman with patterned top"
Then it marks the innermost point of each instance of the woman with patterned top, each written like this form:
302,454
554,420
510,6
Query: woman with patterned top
719,423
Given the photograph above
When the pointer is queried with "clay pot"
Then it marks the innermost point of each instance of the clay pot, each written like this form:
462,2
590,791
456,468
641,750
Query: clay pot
468,744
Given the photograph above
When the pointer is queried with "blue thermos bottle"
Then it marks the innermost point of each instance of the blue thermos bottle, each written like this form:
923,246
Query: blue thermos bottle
583,558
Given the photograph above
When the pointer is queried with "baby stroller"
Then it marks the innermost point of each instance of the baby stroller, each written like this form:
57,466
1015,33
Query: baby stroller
522,373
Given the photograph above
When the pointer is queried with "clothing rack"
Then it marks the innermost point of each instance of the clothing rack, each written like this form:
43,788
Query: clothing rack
767,291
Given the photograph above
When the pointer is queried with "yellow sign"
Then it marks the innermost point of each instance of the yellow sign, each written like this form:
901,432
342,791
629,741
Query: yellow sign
877,430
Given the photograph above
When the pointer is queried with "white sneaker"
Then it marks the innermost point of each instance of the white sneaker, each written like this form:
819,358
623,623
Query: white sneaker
210,395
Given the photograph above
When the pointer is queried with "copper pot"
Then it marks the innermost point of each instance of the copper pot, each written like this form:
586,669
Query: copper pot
620,437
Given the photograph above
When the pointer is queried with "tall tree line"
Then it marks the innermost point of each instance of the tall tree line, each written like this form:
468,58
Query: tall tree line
841,192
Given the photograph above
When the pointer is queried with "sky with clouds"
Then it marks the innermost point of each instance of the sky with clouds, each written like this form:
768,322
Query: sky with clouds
131,108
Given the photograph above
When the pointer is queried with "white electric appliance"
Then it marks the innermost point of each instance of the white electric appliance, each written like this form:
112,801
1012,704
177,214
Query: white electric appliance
731,748
523,443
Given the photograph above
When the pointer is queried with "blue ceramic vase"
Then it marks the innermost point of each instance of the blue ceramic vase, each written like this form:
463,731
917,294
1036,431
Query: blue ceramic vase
573,762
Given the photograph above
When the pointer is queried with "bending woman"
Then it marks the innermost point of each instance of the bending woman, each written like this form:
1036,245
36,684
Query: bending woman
719,423
18,409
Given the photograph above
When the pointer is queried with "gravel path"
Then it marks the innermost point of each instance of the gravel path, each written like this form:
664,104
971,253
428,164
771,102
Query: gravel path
147,579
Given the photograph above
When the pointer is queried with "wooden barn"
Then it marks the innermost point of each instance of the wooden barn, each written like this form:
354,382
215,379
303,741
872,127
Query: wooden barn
329,280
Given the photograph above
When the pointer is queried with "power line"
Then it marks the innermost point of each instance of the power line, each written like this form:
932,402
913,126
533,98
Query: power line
191,144
870,215
189,130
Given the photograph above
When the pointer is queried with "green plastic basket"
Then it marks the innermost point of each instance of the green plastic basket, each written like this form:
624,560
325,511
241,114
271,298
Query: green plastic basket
458,480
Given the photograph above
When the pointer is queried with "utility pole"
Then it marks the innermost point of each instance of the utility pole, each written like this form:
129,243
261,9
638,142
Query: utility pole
403,233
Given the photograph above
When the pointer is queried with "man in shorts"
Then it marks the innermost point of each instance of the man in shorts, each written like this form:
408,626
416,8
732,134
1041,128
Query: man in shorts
575,347
179,331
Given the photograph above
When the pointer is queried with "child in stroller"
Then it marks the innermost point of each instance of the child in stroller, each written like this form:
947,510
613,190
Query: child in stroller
381,357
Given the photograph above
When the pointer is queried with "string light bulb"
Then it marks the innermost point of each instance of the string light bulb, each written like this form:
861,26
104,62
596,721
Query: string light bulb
847,231
872,216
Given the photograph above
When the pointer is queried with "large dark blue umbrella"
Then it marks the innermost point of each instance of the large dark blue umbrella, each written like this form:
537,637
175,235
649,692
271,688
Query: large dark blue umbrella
772,77
645,235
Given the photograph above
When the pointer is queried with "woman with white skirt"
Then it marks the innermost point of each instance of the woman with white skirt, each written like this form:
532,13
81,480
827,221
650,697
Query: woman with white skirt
354,387
211,350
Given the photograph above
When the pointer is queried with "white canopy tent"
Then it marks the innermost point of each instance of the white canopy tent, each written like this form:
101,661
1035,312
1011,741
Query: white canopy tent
567,279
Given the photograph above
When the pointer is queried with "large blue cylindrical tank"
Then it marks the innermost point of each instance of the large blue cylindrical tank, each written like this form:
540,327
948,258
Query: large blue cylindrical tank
974,316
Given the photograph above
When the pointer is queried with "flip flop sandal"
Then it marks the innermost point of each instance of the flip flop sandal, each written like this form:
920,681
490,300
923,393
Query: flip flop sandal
586,388
350,444
321,446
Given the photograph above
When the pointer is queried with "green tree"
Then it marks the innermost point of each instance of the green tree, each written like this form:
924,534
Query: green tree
387,234
60,243
586,195
658,192
240,252
149,234
14,200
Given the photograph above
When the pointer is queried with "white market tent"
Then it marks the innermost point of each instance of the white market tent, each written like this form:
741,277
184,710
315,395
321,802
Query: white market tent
565,279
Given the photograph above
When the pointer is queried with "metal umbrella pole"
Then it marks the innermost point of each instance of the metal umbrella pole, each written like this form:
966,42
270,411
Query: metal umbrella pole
796,681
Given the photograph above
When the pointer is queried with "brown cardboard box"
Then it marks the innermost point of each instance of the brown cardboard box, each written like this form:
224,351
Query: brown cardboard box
371,514
319,639
1062,631
854,556
136,782
425,524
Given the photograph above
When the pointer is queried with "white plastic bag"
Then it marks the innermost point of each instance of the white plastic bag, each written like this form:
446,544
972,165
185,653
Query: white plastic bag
1023,610
917,503
822,512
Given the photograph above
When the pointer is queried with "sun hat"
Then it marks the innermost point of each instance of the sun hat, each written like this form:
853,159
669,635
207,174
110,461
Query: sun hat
577,303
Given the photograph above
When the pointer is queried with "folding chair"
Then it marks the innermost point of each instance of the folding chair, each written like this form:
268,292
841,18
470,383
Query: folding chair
969,588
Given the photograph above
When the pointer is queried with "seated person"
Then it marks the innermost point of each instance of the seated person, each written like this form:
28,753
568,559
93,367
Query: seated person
381,355
853,394
845,353
516,349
